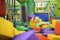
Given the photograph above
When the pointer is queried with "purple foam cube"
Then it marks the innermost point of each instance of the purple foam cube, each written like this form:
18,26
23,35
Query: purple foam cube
30,35
45,34
48,31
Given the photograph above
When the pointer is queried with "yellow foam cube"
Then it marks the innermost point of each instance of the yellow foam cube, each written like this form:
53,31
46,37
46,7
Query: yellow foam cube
54,22
7,29
53,37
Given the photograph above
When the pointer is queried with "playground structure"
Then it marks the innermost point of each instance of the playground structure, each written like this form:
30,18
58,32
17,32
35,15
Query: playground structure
41,30
28,7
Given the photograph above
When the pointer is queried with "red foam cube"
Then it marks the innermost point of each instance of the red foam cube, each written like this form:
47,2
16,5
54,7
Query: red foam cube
57,28
40,37
38,29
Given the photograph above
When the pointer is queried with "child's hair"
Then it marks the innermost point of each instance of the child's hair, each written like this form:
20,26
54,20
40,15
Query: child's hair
37,17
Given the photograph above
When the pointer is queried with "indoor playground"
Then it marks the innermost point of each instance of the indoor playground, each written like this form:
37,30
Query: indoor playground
29,19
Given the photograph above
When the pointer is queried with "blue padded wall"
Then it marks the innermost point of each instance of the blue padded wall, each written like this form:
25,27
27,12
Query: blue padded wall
43,16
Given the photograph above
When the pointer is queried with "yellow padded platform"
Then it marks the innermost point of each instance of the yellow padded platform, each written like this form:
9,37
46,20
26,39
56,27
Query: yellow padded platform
53,37
7,29
17,32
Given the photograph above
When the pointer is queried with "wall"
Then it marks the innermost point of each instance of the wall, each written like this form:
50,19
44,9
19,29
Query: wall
30,7
2,8
57,8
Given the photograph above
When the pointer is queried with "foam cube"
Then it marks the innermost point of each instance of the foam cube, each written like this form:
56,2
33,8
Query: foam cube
53,37
29,35
38,29
54,23
57,28
7,30
40,37
46,29
45,34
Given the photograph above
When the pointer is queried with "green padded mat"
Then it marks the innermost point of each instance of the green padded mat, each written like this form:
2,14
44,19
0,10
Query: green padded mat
21,28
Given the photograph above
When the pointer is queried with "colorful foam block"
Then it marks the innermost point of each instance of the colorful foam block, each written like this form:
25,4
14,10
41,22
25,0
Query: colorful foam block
45,34
48,31
2,8
40,37
30,35
57,28
7,29
38,29
45,29
53,37
54,22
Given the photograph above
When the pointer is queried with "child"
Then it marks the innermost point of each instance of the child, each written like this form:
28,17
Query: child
33,23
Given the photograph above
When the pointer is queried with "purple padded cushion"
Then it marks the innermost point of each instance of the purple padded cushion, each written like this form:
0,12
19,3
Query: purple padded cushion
30,35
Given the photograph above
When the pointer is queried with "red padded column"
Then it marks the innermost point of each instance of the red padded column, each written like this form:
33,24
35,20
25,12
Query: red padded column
2,8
